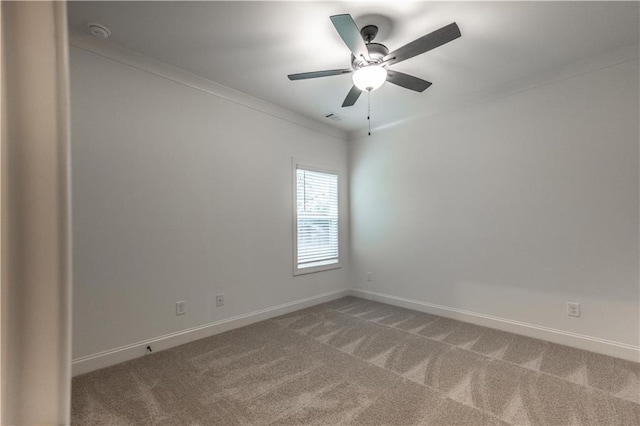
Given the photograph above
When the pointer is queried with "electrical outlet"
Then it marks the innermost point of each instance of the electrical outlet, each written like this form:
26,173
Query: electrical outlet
220,300
369,276
181,307
573,309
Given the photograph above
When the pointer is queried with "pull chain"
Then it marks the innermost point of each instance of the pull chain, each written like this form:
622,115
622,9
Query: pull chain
369,110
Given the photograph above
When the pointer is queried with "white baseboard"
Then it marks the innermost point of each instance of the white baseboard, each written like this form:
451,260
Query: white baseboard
580,341
104,359
114,356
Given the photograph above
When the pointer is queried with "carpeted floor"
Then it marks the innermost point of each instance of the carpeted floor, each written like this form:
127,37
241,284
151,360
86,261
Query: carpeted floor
353,361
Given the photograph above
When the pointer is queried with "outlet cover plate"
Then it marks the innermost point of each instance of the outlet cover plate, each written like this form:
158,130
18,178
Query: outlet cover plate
573,309
181,307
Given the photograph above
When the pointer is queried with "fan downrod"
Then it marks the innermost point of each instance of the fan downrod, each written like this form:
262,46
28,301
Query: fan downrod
368,33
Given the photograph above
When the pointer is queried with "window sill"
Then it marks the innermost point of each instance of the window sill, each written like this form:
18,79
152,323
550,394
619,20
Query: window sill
314,269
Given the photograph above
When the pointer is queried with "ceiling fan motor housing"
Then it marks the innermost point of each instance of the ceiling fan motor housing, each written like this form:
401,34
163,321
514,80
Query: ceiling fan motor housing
368,33
377,52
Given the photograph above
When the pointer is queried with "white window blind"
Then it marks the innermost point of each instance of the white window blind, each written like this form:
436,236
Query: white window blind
317,218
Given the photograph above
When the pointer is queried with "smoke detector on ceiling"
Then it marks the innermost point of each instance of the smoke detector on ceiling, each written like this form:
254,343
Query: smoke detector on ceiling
99,30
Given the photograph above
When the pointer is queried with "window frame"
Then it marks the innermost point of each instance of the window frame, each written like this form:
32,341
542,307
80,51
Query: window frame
312,168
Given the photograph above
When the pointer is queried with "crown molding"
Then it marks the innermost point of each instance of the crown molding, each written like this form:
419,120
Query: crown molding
162,69
590,64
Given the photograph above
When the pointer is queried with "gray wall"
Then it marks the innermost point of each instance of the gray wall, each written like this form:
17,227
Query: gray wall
510,208
181,195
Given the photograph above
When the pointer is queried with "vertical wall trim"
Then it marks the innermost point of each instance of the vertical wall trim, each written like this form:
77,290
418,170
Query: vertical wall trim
36,280
64,201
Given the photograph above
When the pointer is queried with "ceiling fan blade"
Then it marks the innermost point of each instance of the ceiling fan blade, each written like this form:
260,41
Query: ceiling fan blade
425,43
348,30
316,74
407,81
352,97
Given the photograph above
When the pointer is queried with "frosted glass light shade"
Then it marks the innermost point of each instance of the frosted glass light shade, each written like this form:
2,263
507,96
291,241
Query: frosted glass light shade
370,77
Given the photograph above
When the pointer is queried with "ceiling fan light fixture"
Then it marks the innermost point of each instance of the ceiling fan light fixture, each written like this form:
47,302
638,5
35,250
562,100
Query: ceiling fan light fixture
369,78
369,61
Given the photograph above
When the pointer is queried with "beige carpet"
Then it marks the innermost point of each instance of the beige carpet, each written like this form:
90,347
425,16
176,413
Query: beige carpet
353,361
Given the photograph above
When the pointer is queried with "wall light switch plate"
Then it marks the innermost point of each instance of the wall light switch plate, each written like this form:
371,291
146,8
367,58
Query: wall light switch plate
220,300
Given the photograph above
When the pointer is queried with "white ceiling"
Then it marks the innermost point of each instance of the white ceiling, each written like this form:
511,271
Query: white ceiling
252,46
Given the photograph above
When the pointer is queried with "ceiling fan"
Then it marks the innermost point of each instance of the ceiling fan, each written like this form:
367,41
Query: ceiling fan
370,61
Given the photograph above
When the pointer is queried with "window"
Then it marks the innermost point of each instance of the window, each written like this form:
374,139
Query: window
316,220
